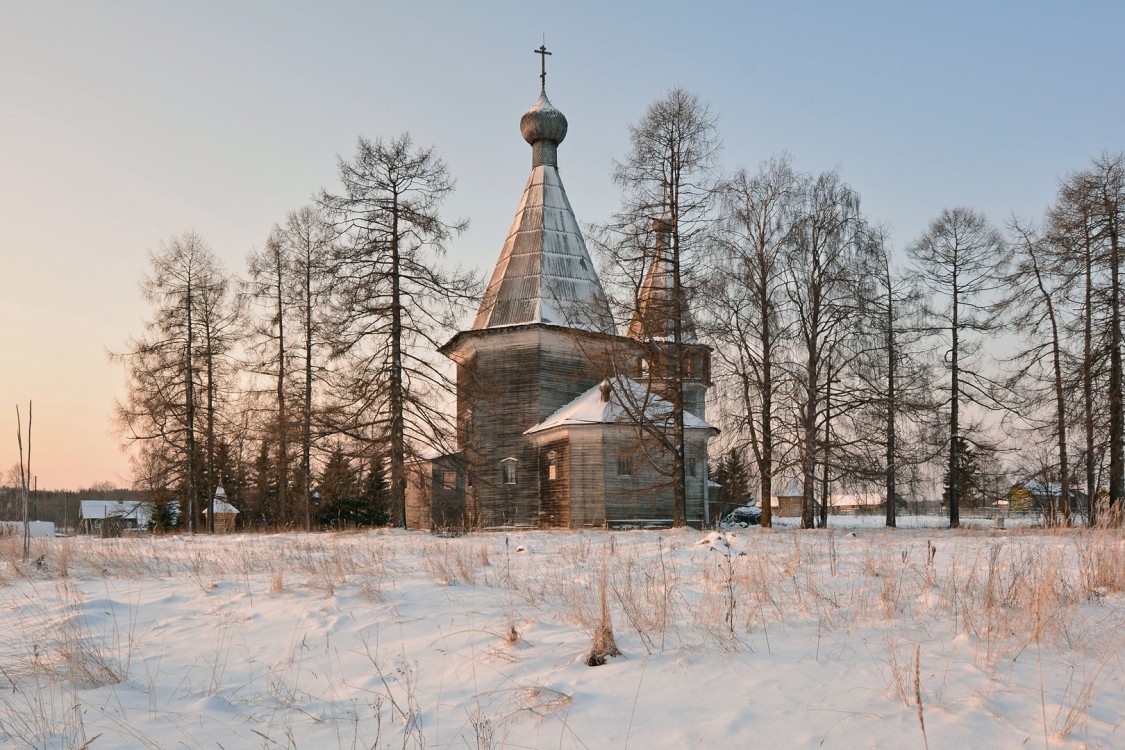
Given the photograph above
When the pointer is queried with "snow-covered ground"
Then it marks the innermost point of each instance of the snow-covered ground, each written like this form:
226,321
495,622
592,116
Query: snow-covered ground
846,638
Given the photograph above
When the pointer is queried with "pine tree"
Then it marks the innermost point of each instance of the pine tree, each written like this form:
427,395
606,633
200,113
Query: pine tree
733,474
376,494
970,478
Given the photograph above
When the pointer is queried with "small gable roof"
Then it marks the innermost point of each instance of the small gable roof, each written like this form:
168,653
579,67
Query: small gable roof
134,510
616,402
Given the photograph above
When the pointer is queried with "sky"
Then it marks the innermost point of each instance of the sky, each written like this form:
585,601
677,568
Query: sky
123,124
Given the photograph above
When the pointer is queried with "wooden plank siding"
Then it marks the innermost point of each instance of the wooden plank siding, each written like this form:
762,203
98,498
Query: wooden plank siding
509,380
419,494
554,492
587,482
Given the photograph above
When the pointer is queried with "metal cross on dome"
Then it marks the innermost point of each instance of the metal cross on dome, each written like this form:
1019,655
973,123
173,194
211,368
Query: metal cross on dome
543,61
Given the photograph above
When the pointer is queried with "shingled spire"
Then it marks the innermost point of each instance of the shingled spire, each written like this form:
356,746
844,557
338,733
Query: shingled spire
544,274
654,319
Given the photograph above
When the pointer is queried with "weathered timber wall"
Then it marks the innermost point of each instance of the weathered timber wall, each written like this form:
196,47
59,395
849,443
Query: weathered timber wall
419,486
554,494
508,381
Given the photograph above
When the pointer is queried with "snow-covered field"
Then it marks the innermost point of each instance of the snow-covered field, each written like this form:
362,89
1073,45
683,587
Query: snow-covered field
759,638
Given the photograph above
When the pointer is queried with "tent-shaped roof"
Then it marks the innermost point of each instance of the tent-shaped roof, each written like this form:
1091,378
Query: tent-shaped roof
655,316
792,490
221,507
221,504
544,273
617,402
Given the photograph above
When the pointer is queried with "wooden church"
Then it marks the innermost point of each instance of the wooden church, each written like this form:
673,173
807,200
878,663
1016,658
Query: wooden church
561,421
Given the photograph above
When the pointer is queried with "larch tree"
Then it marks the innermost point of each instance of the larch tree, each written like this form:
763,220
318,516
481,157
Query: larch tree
393,297
1071,232
267,287
309,240
1033,303
1106,181
891,378
960,260
221,330
288,279
185,287
1091,213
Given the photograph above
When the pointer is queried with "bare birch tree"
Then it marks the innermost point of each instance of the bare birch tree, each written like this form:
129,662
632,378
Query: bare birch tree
746,309
821,268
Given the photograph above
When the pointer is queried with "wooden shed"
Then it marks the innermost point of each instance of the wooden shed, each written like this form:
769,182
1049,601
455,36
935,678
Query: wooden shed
225,513
787,501
109,518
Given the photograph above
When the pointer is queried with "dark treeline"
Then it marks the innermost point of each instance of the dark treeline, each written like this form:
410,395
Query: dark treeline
926,371
60,507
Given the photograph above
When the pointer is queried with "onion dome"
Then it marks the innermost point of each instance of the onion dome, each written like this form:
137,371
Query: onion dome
543,122
544,127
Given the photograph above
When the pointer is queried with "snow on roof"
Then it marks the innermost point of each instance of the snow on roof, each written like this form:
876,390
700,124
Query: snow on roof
839,500
222,506
857,500
136,510
544,273
793,489
1046,489
627,399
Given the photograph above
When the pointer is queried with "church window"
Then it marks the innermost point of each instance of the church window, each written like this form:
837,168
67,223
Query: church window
449,480
689,466
689,366
552,465
508,470
624,466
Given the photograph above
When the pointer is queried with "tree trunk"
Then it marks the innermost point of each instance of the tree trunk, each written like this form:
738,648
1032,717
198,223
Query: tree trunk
282,416
1116,414
765,461
306,436
892,405
189,396
954,425
1088,376
827,437
398,423
679,478
809,442
210,433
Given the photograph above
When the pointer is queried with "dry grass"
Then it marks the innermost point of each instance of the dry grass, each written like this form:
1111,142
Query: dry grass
1013,597
602,643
